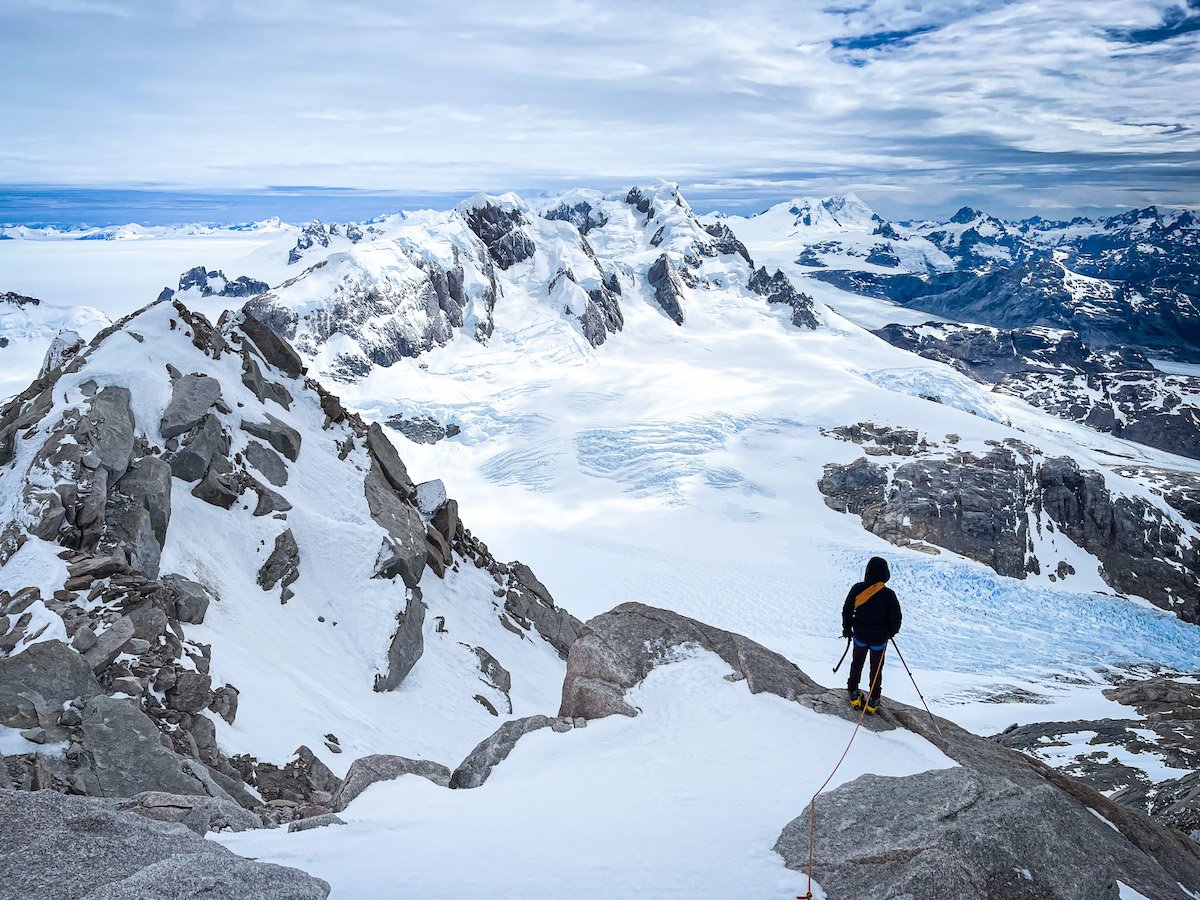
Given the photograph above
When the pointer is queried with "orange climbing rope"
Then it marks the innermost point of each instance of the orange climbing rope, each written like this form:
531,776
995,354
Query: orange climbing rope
812,804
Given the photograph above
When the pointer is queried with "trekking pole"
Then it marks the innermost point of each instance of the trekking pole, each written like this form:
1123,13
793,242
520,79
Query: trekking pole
843,659
919,694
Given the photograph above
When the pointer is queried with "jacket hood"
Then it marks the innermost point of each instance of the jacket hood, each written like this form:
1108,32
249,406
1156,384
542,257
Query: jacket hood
877,570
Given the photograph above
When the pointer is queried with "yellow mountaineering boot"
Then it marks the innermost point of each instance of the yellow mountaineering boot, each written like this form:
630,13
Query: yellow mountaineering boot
856,699
873,706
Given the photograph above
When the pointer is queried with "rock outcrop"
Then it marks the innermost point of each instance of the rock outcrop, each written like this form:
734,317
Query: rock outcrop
75,847
368,770
981,505
778,288
668,288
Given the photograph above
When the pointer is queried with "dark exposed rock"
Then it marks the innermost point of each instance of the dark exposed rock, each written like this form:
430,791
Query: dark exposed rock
198,813
263,389
279,435
297,781
501,232
72,848
407,644
960,833
778,288
582,215
616,650
391,465
214,283
369,770
1115,390
208,441
282,566
321,821
493,750
403,551
48,674
124,756
191,692
192,396
107,430
423,429
275,350
668,288
267,462
217,489
109,644
975,505
148,485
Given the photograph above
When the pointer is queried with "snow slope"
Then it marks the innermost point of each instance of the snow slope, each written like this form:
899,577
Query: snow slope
685,800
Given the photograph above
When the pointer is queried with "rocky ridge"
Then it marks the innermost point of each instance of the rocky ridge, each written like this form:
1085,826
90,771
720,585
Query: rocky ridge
113,696
1005,506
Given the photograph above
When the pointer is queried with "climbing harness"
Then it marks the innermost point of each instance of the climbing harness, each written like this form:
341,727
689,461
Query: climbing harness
812,804
919,694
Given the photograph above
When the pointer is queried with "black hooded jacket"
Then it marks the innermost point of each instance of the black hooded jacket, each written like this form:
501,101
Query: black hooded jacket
878,620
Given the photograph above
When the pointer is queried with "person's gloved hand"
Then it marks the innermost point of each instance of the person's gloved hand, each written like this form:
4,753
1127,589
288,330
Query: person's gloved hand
846,633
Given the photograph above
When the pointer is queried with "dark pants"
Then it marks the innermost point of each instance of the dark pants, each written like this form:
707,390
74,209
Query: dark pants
857,659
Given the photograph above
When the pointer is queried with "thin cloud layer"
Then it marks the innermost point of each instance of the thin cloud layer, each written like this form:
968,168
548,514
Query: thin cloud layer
1013,105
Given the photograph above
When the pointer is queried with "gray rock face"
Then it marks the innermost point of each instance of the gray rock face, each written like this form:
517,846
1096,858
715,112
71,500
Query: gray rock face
191,692
501,232
200,814
407,645
278,434
957,834
321,821
129,533
36,683
264,390
148,484
282,566
498,676
109,644
276,351
490,752
668,288
192,396
778,288
369,770
191,599
107,430
72,848
390,463
125,756
976,505
403,552
207,442
267,462
1116,390
617,649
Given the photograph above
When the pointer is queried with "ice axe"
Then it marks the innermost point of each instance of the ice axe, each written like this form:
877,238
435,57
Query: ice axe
843,659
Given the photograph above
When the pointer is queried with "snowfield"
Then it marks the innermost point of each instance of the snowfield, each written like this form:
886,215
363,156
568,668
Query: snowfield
685,800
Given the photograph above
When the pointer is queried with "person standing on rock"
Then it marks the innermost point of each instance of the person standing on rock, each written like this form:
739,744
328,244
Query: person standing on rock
870,617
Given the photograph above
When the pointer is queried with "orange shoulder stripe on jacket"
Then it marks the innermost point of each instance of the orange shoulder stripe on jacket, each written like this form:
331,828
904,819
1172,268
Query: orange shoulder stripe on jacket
867,594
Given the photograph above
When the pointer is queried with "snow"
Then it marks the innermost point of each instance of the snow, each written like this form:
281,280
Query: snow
685,800
1128,893
13,744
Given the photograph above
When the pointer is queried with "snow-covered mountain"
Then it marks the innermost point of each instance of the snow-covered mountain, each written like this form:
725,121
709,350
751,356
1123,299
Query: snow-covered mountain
572,266
710,442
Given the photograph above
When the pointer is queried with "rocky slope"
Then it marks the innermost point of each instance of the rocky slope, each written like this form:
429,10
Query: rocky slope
1019,513
177,492
1116,391
1126,279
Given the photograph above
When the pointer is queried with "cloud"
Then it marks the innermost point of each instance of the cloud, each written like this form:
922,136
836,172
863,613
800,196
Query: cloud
1003,104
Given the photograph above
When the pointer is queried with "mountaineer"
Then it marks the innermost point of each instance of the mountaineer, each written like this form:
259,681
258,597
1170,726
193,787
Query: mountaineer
870,617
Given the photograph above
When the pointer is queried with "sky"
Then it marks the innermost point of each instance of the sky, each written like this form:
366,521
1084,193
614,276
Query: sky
1015,106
